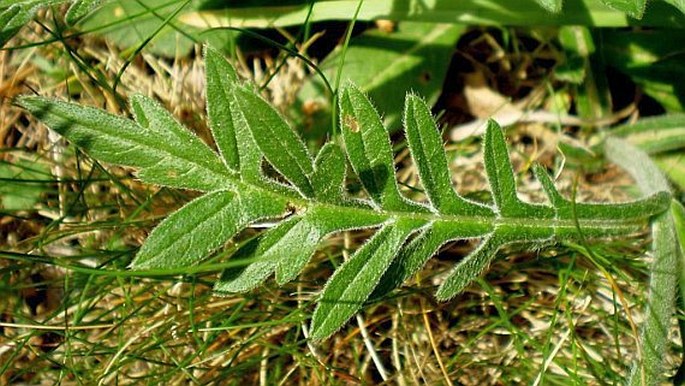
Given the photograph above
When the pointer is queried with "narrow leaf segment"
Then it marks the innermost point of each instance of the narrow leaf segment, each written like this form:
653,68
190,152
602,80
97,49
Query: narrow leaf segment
307,199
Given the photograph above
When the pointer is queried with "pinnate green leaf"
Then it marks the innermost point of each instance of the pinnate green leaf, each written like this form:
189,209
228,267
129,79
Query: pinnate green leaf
368,147
329,173
356,279
221,79
190,234
117,140
469,268
248,130
281,146
426,148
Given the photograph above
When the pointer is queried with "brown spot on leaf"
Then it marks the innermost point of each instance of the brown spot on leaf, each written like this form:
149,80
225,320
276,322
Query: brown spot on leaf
351,122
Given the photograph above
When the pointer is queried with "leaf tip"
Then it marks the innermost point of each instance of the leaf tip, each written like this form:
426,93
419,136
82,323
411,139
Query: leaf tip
217,66
444,293
209,52
349,89
319,331
493,127
36,105
142,261
663,199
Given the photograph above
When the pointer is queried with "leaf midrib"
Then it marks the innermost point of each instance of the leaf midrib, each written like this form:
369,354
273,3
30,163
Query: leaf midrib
620,225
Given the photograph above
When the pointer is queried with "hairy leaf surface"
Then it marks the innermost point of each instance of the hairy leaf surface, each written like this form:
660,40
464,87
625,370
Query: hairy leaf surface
117,140
551,5
221,79
278,142
368,148
192,232
266,250
634,8
354,281
329,173
305,200
429,156
664,268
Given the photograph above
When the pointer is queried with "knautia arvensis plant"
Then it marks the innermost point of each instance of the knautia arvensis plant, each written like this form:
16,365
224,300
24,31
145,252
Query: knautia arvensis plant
314,204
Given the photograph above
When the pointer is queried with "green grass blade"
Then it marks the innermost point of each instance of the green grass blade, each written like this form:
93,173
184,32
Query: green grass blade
117,140
469,268
221,78
425,144
655,134
281,146
368,148
191,233
678,213
355,280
